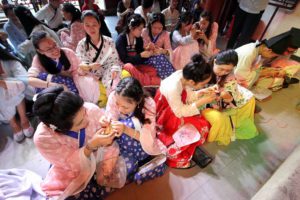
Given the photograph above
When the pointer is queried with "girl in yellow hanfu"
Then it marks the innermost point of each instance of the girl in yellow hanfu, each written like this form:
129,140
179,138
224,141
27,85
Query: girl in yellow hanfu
234,116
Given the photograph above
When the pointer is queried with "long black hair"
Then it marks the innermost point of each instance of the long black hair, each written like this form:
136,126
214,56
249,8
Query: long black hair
48,63
100,19
27,19
75,12
134,21
185,17
55,107
197,70
225,57
156,17
131,88
207,16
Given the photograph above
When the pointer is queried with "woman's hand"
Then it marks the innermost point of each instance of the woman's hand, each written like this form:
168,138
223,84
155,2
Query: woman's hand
51,84
104,121
150,47
95,66
114,75
118,128
201,35
99,139
226,96
146,54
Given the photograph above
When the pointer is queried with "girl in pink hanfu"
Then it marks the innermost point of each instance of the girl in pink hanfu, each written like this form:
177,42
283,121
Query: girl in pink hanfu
179,105
131,114
208,35
53,66
184,41
156,37
68,137
72,35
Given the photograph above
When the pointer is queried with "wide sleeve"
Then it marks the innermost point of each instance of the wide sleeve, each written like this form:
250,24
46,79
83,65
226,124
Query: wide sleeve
74,60
41,14
177,38
146,38
52,144
19,72
121,44
167,41
244,73
80,50
111,107
173,96
35,68
149,142
71,40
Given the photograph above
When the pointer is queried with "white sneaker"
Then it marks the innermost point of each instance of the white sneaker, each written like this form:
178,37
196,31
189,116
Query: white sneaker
28,132
19,136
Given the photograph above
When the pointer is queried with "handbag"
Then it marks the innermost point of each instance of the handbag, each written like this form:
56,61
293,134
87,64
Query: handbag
201,157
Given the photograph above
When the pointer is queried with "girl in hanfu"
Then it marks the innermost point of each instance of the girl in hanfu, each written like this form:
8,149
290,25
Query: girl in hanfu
235,117
130,112
184,41
98,56
13,82
157,39
68,137
179,104
142,63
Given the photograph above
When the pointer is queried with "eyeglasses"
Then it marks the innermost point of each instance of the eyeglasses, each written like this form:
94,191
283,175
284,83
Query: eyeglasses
51,49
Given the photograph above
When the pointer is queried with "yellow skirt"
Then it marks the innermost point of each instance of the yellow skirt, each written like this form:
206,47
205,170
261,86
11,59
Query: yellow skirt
234,123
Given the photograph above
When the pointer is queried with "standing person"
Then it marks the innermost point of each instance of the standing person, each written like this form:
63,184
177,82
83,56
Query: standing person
171,15
68,137
13,82
131,114
71,36
178,103
144,9
234,117
13,27
98,56
52,15
247,17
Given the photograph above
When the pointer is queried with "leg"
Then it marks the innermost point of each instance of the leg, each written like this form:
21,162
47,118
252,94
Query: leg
21,108
248,29
237,27
17,130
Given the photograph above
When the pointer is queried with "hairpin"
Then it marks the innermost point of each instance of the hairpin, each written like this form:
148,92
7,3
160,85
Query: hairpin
53,127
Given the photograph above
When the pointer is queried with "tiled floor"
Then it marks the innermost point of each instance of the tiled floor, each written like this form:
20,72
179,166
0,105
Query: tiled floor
237,172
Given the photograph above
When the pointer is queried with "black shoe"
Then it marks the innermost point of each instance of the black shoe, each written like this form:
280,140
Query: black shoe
201,157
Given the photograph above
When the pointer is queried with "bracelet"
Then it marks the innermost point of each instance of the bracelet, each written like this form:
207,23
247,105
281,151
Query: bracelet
93,149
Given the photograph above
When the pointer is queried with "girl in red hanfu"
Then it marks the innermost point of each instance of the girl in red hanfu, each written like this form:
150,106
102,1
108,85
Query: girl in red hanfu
181,126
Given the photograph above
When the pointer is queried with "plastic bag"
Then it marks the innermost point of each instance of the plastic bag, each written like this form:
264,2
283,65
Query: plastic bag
111,168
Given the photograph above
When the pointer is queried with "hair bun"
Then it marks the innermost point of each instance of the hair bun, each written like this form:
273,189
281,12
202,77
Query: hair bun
45,101
198,59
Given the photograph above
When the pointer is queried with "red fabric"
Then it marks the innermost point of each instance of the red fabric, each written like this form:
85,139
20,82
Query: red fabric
146,74
168,124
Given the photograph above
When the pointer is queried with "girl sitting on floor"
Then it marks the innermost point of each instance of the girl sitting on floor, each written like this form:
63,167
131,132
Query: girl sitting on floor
235,117
131,114
177,105
141,63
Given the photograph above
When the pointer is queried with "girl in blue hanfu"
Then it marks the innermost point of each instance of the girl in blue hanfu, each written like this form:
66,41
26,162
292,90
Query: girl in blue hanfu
130,113
182,128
